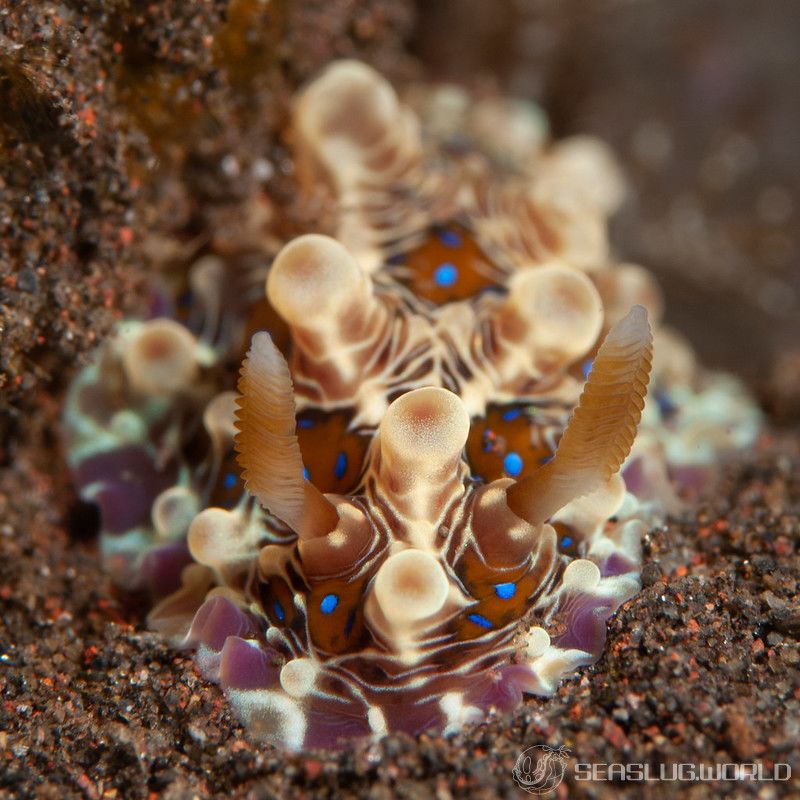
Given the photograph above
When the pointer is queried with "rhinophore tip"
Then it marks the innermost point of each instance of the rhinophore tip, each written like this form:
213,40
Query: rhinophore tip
600,433
267,446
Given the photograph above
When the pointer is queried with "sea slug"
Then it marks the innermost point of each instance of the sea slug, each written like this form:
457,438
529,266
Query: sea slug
423,498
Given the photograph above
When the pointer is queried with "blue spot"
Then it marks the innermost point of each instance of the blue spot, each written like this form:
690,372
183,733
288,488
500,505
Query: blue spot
305,473
586,367
566,542
305,423
229,481
665,406
279,612
450,238
508,416
505,591
349,624
546,460
445,275
341,466
479,619
513,464
329,603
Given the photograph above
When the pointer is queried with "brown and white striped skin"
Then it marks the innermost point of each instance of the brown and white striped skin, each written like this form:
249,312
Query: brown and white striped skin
400,579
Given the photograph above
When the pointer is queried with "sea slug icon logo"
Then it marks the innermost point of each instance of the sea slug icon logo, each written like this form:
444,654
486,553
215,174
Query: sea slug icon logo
540,768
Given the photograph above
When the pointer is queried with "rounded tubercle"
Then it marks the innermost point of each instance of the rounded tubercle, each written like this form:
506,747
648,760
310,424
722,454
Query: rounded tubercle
420,444
314,277
424,429
410,587
350,101
554,310
160,358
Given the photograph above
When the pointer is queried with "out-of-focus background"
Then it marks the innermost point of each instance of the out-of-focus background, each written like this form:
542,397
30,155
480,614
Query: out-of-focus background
701,102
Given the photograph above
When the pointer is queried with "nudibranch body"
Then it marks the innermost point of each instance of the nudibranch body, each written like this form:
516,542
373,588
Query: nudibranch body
425,499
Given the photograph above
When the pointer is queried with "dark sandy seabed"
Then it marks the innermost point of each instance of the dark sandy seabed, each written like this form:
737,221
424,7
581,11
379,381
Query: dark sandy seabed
702,666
